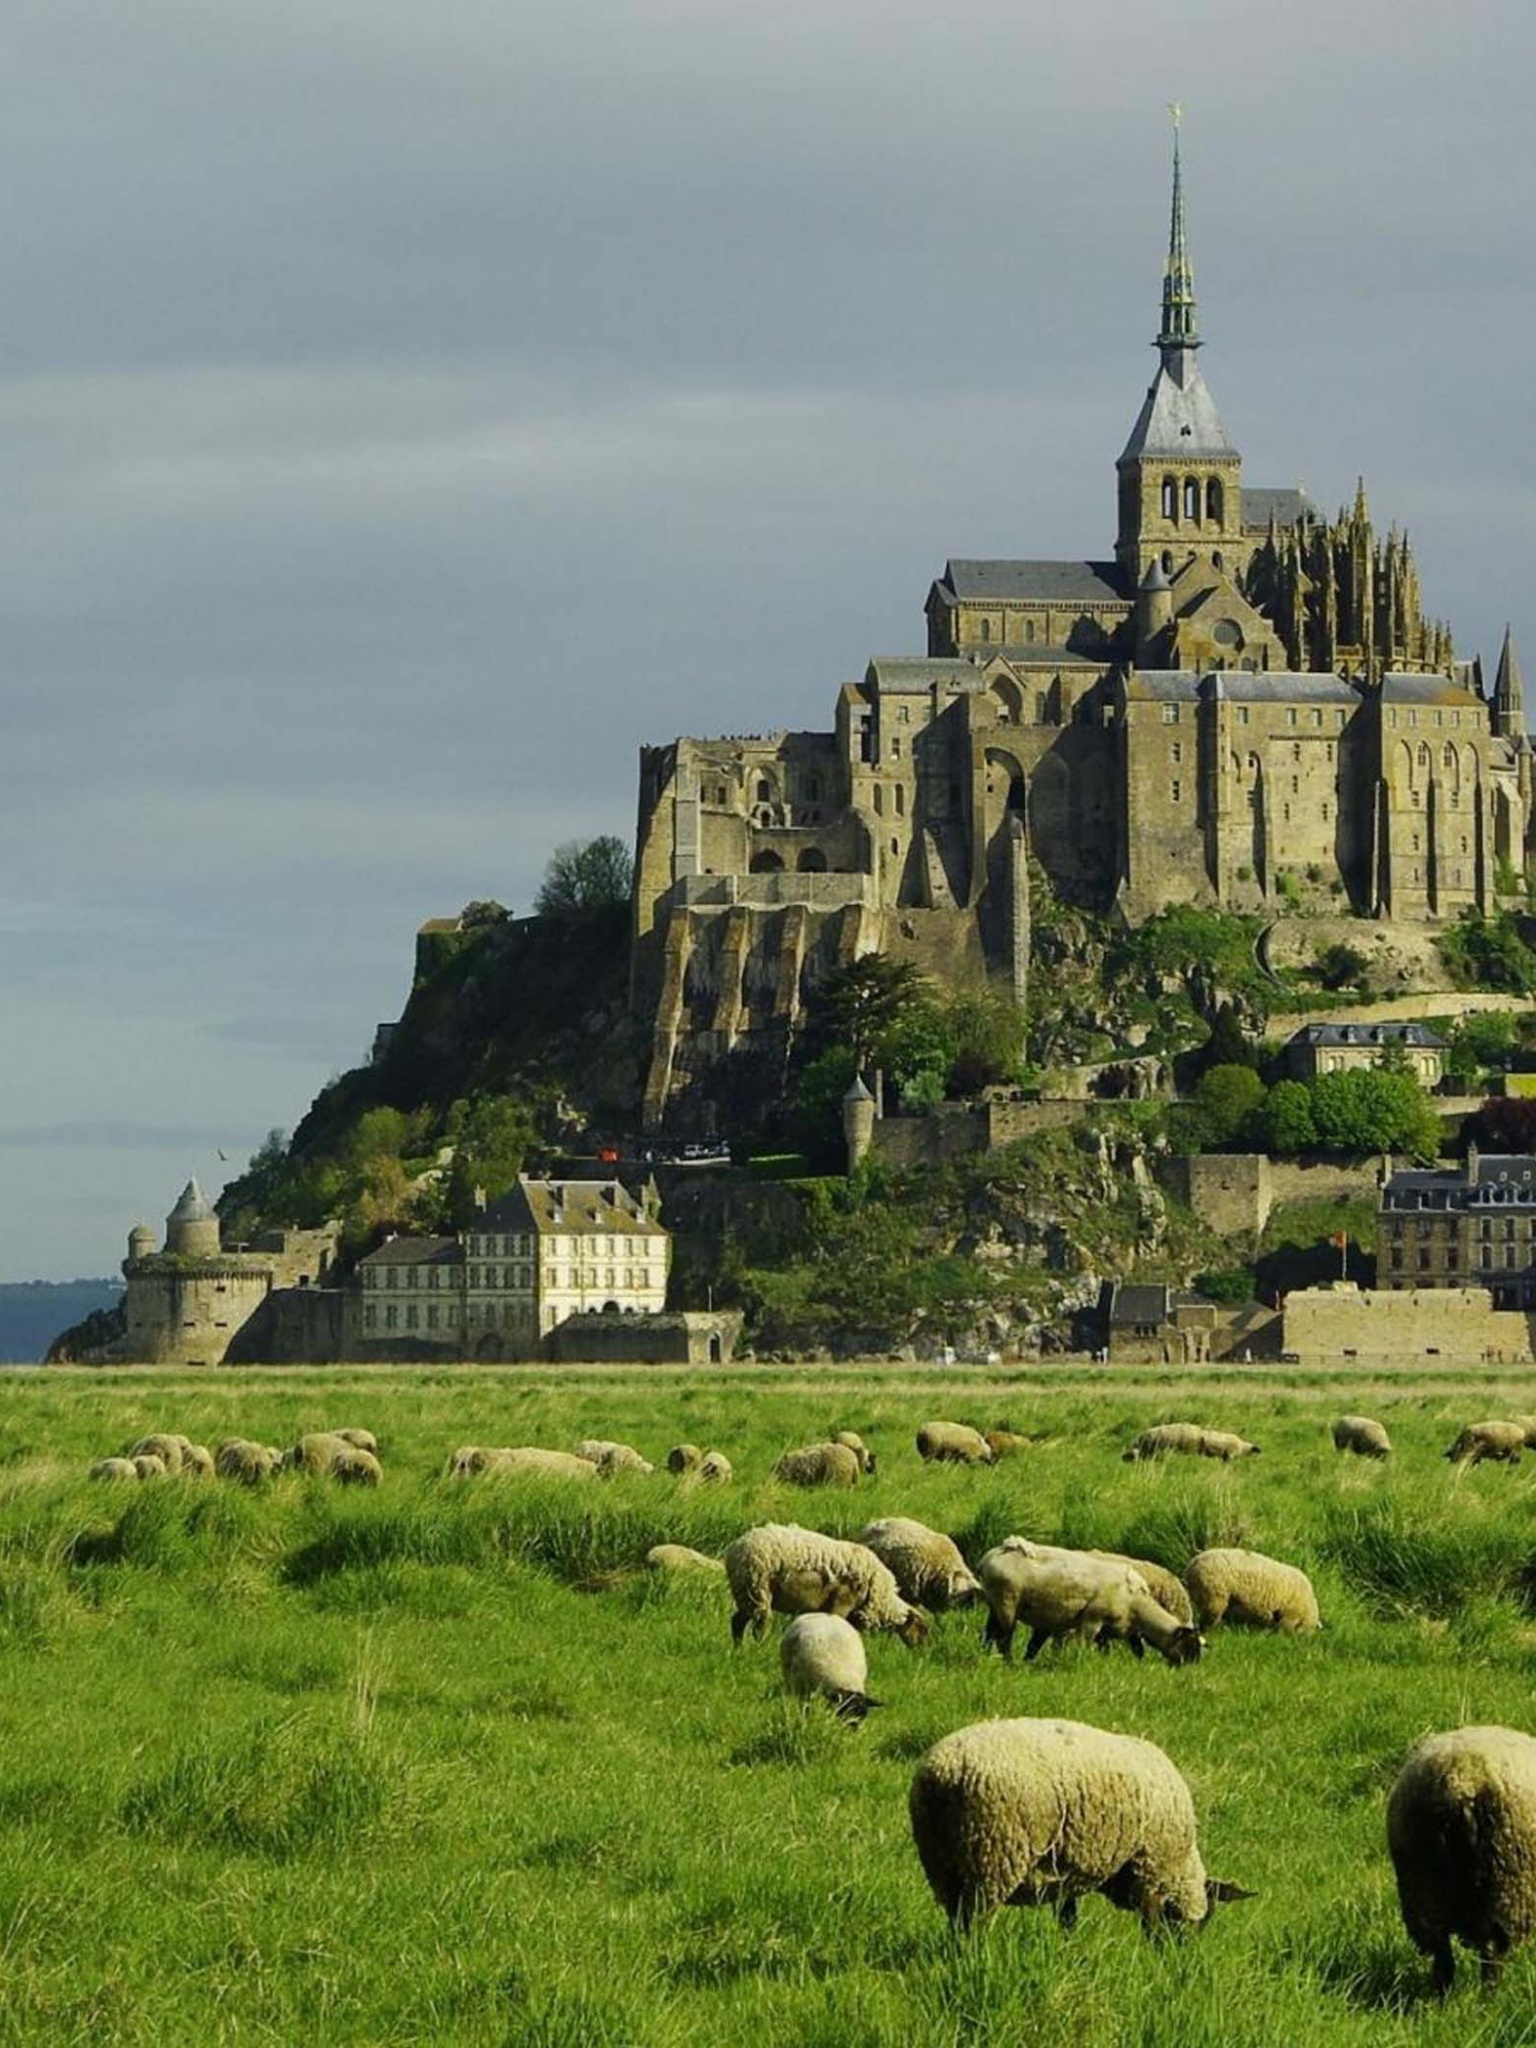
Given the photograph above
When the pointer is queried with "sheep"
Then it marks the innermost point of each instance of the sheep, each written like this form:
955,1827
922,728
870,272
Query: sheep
149,1467
1039,1812
1500,1442
353,1466
1359,1434
1166,1587
360,1440
1074,1594
954,1443
927,1566
1249,1590
197,1462
249,1463
611,1458
1003,1443
716,1469
315,1453
523,1460
1191,1440
859,1448
779,1568
819,1465
113,1468
684,1458
822,1657
677,1557
166,1448
1461,1831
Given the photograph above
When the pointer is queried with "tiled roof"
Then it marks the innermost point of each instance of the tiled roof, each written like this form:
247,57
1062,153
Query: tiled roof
1366,1034
416,1251
975,582
570,1206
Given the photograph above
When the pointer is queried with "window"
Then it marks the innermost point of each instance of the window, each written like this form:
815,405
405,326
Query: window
1192,500
412,1314
986,629
391,1316
1170,714
371,1316
1317,718
1424,1259
1176,792
1338,719
895,746
1213,506
1176,752
1397,1256
1242,714
1170,500
1290,715
901,801
764,791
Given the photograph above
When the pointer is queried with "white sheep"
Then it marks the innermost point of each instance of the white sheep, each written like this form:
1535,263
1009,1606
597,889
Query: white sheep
822,1657
519,1461
360,1439
148,1466
611,1458
160,1445
1029,1813
829,1464
1248,1590
778,1568
859,1448
716,1469
249,1463
1358,1433
684,1458
1166,1587
927,1565
1461,1830
315,1453
353,1466
1190,1440
1005,1443
1498,1442
196,1461
1074,1594
954,1443
114,1468
677,1557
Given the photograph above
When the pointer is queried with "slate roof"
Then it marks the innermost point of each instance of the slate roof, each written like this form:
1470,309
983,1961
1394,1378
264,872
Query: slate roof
1366,1034
1281,686
912,672
1491,1180
1178,685
972,582
191,1205
416,1251
574,1207
1178,418
1286,506
1398,687
1140,1303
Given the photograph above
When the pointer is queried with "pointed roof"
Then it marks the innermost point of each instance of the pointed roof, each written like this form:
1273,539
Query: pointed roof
191,1205
1508,689
857,1092
1181,325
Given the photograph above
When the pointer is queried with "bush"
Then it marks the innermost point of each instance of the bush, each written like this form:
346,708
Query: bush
1489,952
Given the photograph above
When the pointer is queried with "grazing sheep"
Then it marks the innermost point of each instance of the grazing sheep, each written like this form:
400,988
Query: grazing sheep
148,1466
927,1566
954,1443
778,1568
196,1461
1190,1440
238,1458
611,1458
716,1469
353,1466
521,1461
1461,1829
360,1439
166,1448
1249,1590
1359,1434
819,1465
1031,1813
1073,1594
316,1453
1003,1443
114,1468
1500,1442
859,1448
684,1458
822,1657
677,1557
1166,1587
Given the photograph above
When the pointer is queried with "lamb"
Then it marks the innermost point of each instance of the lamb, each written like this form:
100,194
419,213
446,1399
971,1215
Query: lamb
113,1468
819,1465
1461,1830
1359,1434
1030,1813
1189,1439
166,1448
1166,1587
611,1458
859,1448
684,1458
149,1467
1074,1594
249,1463
1500,1442
1249,1590
779,1568
677,1557
716,1469
353,1466
822,1657
954,1443
1003,1443
927,1566
523,1460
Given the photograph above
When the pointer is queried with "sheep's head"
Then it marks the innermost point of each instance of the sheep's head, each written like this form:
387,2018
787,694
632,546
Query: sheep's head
961,1588
1217,1892
1185,1646
914,1629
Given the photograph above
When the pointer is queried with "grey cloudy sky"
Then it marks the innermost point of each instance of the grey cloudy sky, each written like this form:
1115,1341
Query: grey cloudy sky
406,411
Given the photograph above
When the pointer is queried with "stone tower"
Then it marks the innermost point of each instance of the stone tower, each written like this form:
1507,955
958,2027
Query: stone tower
858,1121
1181,479
1509,692
192,1229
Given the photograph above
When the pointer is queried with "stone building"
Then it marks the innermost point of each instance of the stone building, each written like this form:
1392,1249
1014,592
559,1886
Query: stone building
1469,1227
1244,705
412,1295
1340,1048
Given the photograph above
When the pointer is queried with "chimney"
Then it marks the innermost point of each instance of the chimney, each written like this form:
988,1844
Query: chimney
1472,1163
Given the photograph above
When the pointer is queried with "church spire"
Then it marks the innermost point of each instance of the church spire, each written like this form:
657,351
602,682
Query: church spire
1181,328
1508,692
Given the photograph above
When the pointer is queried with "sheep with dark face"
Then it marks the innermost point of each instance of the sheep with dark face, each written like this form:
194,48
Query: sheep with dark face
781,1569
830,1464
953,1443
1040,1812
1075,1594
1245,1589
822,1657
855,1443
1362,1436
1497,1442
927,1564
1166,1587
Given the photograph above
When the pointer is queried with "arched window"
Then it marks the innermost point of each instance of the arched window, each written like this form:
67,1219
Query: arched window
766,863
879,801
1216,558
1167,561
986,629
1423,755
1192,499
765,791
1170,499
901,801
1213,500
812,862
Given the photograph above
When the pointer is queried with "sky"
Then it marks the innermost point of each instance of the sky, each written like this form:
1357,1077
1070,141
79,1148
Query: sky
407,412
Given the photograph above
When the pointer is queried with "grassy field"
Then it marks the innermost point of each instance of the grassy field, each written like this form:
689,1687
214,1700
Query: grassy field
440,1765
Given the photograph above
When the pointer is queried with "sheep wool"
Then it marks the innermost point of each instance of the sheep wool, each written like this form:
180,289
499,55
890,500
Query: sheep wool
522,1461
113,1468
315,1453
822,1657
1004,1443
954,1443
1038,1812
360,1440
240,1459
677,1557
196,1461
610,1458
1189,1439
1359,1434
166,1448
778,1568
830,1464
1071,1593
716,1469
149,1467
1499,1442
353,1466
859,1448
1248,1590
926,1564
1461,1831
684,1458
1166,1587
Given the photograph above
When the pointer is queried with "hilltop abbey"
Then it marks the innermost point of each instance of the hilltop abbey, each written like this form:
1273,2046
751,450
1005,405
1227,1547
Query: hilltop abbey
1245,707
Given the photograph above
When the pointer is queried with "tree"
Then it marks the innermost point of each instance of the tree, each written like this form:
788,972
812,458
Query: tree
1369,1110
586,874
1228,1044
817,1114
491,1135
1505,1123
989,1029
1477,1043
1226,1105
917,1051
1342,966
1288,1122
857,1005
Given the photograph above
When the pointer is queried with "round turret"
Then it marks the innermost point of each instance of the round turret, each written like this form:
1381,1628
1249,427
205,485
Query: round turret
858,1121
192,1228
1154,610
141,1242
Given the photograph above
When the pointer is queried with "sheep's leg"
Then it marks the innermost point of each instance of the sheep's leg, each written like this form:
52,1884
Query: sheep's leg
1442,1969
1037,1642
738,1627
1138,1647
1493,1962
998,1635
1066,1912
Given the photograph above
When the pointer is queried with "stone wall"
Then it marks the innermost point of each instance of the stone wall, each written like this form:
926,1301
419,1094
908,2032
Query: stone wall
296,1326
1345,1324
189,1316
691,1338
1231,1192
1289,1181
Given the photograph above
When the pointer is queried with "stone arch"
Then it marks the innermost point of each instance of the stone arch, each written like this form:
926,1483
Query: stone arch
1007,695
766,863
812,861
1170,500
1402,764
1213,503
1192,500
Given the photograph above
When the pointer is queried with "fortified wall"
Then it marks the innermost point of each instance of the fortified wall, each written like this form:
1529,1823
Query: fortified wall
1402,1331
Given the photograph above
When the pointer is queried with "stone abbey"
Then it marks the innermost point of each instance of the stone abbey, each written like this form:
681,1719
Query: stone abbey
1245,707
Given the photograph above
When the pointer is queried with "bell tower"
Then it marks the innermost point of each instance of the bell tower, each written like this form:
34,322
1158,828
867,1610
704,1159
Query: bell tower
1180,478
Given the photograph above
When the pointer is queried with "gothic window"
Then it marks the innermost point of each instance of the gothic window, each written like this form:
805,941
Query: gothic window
1213,506
901,800
895,846
1449,755
765,792
1423,755
1216,558
1176,792
986,629
1192,499
1170,501
879,801
1167,561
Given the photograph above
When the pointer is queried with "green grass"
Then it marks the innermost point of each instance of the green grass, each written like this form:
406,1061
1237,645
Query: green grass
440,1765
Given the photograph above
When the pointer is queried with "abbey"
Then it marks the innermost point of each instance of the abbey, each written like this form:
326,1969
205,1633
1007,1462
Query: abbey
1244,707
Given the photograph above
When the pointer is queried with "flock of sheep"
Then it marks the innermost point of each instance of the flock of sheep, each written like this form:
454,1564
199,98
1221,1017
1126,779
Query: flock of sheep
1035,1811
